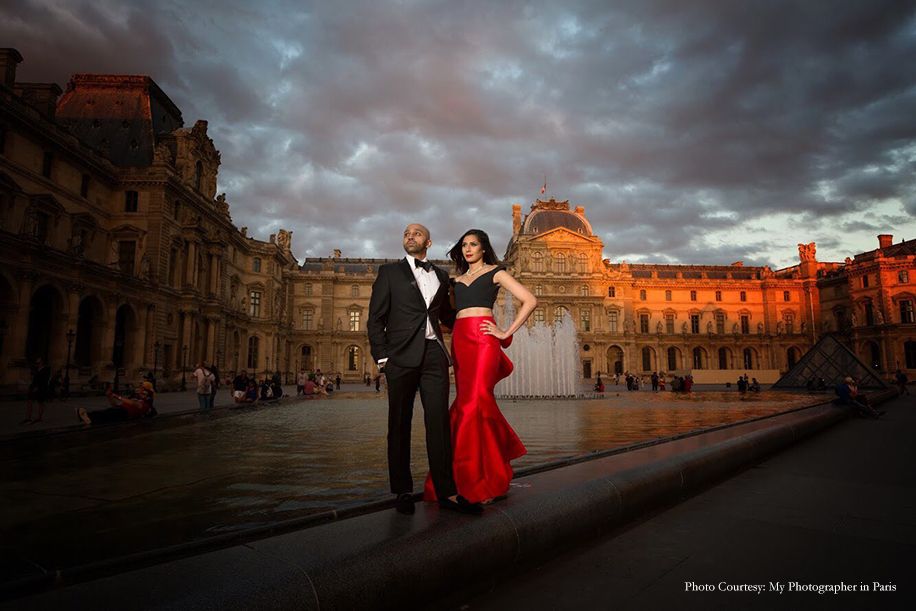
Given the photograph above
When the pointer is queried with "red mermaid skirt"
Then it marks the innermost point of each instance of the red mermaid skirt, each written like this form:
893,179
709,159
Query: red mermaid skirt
483,443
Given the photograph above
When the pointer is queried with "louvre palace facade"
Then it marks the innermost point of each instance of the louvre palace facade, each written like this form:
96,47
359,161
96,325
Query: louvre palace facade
118,257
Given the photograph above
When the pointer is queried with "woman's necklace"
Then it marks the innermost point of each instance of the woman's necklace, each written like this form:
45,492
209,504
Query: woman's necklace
471,274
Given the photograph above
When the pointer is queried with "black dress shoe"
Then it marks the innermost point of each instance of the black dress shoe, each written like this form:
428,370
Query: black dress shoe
461,505
404,503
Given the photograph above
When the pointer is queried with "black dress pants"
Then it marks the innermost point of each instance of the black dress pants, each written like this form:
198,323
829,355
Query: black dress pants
431,379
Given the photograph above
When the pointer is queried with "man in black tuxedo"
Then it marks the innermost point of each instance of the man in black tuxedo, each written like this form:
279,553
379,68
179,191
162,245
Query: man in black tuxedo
409,300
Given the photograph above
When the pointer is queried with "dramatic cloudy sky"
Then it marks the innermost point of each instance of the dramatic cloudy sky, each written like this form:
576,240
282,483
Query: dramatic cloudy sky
693,132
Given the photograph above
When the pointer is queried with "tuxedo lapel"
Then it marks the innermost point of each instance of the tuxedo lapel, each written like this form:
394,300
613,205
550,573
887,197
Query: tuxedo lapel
404,266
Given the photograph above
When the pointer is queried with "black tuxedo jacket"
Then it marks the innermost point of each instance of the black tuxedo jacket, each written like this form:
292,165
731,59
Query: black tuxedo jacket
398,313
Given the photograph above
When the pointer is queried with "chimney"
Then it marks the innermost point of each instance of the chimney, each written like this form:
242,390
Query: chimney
885,240
9,58
40,96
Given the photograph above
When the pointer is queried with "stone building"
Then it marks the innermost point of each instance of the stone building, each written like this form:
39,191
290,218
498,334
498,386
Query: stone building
673,318
870,302
118,256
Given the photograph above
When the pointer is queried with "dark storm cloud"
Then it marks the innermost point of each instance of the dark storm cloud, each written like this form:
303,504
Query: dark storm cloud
687,130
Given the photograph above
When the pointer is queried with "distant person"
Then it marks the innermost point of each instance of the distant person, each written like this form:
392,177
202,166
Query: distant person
140,405
309,389
661,382
265,390
754,385
688,383
301,378
901,380
848,394
251,393
378,382
39,391
599,384
655,381
742,384
205,380
239,387
337,381
215,385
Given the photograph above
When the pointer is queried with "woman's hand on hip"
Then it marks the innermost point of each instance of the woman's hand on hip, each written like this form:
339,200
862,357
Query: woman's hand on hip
489,327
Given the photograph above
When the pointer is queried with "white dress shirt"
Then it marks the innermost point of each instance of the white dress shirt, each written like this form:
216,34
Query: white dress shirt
428,282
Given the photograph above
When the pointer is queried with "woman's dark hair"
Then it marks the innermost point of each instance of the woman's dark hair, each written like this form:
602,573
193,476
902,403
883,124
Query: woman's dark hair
456,254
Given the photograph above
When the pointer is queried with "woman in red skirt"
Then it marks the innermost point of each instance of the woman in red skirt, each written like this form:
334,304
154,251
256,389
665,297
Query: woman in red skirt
483,443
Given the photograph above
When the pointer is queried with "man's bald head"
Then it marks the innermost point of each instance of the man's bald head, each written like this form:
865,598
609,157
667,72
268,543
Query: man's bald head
416,240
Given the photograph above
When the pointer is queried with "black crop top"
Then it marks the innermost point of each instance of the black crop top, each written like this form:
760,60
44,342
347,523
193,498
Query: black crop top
480,293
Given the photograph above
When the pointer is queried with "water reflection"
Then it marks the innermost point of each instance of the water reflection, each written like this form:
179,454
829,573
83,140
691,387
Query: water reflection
164,486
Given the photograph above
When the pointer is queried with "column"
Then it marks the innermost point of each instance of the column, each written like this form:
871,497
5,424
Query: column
18,328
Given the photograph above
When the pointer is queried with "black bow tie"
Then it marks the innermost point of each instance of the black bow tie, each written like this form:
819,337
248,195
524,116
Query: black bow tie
426,265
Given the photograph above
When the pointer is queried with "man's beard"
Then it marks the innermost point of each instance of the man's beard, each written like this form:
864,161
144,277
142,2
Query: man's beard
414,249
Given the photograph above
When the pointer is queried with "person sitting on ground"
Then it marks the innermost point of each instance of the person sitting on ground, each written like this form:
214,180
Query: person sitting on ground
309,389
276,389
251,393
755,385
848,394
266,392
140,405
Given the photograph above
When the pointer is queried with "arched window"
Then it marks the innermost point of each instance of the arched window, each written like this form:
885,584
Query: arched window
583,290
723,358
256,264
537,262
791,357
748,359
253,345
698,360
874,353
647,359
558,313
672,359
869,313
353,363
583,263
559,263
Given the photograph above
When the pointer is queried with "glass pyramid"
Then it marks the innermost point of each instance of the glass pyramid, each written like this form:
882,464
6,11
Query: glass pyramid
832,361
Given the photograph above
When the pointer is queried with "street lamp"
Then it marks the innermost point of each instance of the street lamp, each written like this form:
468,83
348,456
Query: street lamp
184,366
70,336
156,347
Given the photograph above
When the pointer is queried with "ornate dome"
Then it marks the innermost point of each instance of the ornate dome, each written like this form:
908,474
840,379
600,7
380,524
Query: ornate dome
549,215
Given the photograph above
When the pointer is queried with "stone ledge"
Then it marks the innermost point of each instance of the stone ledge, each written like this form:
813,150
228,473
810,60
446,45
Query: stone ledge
384,559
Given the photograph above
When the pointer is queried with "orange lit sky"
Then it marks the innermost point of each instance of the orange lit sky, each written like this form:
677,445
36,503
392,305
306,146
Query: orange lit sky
692,132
